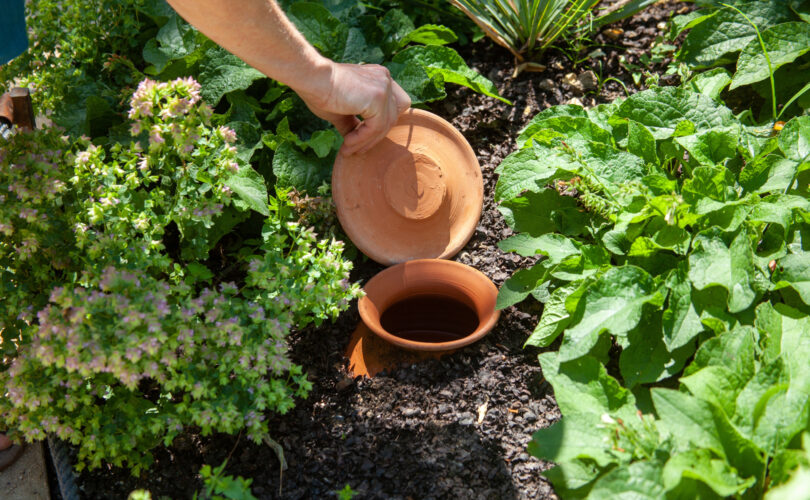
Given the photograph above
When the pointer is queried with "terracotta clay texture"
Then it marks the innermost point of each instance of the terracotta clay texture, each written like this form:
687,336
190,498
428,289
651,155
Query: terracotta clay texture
425,278
417,194
369,354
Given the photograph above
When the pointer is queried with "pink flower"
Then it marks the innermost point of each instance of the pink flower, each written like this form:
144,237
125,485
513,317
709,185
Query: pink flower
155,137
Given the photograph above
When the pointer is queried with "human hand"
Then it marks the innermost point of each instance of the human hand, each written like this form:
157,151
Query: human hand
364,90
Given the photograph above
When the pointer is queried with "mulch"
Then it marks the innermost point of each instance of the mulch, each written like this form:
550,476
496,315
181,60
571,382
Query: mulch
415,432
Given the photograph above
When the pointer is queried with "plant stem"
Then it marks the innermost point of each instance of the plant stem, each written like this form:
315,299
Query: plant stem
764,52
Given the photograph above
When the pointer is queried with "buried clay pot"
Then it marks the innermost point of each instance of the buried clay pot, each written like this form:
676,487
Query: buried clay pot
416,194
429,305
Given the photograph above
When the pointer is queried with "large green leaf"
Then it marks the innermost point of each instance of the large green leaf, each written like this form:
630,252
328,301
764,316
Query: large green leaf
694,424
794,271
645,358
572,128
712,41
251,189
575,436
446,62
794,140
722,367
544,211
714,263
711,147
613,303
662,109
222,72
638,481
771,173
416,82
584,386
530,169
323,30
702,465
303,171
535,124
681,322
784,42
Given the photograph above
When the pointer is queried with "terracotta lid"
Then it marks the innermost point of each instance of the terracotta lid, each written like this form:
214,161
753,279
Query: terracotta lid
417,194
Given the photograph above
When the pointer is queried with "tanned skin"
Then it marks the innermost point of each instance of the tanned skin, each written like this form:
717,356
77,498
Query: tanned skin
258,32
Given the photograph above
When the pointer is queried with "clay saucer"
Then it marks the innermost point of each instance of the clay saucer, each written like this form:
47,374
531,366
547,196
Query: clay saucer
417,194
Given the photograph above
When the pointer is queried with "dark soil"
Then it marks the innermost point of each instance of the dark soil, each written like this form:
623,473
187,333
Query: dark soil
455,428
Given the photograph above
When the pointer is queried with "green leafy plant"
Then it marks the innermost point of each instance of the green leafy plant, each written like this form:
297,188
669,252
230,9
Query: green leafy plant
347,493
528,27
668,231
217,486
766,39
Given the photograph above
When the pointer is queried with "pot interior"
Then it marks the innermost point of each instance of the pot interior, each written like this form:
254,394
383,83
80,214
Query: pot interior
429,318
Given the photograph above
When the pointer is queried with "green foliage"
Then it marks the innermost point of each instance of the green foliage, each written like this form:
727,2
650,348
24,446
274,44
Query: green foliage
114,338
528,27
217,486
347,493
766,38
676,233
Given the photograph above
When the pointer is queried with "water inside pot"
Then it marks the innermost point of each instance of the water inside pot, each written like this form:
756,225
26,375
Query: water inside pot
429,318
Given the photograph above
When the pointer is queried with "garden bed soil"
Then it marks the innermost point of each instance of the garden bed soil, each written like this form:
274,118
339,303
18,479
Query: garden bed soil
453,428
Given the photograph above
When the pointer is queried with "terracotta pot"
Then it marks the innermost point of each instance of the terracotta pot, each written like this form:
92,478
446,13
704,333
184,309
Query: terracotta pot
417,194
429,305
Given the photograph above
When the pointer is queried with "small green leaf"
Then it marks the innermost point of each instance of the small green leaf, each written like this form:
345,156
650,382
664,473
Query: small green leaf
295,168
555,246
710,83
520,285
430,34
555,317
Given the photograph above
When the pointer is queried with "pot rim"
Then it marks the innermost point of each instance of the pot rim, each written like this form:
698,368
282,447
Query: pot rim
484,327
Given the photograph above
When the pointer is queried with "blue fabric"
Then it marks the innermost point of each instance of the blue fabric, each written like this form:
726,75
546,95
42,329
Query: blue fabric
13,37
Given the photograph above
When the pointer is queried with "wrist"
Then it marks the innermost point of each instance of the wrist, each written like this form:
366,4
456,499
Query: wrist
315,85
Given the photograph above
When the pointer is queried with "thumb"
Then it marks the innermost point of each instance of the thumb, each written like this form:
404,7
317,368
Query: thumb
345,124
363,136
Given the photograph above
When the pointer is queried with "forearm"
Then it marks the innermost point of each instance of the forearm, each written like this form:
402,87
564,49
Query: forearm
261,35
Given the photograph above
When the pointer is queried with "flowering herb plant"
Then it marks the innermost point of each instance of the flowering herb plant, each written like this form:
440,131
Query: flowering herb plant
115,340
